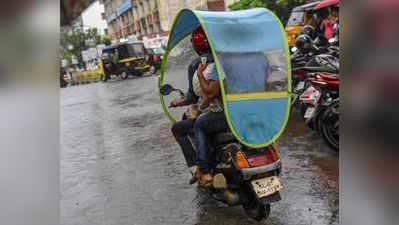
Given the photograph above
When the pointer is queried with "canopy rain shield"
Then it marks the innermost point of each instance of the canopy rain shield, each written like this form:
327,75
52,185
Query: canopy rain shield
252,60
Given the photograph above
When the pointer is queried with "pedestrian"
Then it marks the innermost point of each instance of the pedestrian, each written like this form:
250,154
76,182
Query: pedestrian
326,26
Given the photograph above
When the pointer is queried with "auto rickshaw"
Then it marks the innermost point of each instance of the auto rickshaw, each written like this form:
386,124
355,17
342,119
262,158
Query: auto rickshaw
124,59
300,16
251,57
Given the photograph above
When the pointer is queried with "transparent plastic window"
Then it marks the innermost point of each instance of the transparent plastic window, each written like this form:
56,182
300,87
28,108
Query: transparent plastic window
254,72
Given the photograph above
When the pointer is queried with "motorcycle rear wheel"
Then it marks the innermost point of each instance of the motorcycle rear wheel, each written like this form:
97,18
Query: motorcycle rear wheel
257,210
329,126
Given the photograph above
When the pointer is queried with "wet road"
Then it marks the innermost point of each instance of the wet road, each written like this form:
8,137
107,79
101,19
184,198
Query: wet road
121,166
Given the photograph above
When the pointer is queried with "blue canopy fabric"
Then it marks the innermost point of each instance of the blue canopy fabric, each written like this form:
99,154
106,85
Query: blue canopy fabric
246,46
225,27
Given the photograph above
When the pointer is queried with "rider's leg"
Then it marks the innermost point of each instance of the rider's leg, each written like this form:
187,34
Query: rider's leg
207,123
181,130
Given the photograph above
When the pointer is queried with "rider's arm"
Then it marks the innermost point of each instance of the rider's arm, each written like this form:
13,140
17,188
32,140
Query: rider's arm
210,88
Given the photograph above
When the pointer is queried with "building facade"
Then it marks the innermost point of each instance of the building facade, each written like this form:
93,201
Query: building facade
147,18
131,17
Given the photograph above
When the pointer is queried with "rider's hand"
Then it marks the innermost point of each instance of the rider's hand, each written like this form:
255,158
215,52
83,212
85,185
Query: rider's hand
201,68
177,103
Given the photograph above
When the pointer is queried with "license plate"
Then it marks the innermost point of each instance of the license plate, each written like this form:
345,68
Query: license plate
309,112
266,186
300,85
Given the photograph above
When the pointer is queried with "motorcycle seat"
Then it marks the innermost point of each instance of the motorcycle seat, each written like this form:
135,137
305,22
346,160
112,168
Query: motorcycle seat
221,139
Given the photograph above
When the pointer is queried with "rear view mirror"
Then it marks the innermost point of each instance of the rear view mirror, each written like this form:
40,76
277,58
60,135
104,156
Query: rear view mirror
166,89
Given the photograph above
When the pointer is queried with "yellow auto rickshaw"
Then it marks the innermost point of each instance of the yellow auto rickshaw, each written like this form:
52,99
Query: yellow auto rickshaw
124,59
300,16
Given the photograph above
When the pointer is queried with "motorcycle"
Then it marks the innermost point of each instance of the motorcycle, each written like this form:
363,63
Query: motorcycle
319,63
256,103
237,170
311,59
320,104
316,85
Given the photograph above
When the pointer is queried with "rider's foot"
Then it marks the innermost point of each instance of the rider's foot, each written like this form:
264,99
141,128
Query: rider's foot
194,174
205,180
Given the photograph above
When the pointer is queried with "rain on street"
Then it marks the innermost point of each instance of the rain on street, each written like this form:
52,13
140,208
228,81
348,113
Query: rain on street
120,165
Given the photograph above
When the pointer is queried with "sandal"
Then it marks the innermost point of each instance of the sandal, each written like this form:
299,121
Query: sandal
205,180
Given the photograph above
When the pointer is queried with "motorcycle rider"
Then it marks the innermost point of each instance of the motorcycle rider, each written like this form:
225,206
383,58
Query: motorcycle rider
182,128
205,91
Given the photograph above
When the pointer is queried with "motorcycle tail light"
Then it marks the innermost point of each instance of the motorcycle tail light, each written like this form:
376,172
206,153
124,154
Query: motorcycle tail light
240,160
266,157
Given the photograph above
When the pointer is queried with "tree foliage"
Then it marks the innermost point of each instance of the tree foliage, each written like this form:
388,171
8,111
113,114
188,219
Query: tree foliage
282,8
80,41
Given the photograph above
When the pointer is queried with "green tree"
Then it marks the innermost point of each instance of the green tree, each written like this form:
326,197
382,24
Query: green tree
74,41
282,8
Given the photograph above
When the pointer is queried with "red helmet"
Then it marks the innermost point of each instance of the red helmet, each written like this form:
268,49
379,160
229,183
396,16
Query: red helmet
199,41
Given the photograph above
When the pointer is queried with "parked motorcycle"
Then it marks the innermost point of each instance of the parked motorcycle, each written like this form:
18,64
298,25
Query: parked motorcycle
315,82
319,63
307,57
319,106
